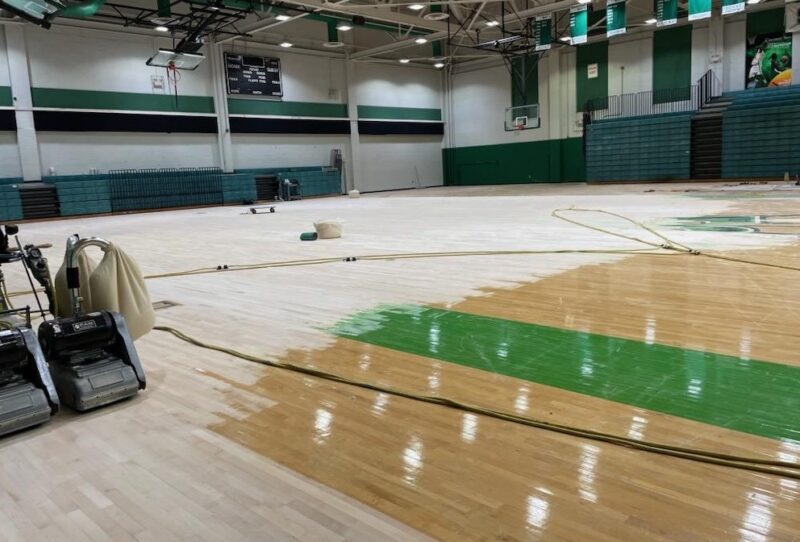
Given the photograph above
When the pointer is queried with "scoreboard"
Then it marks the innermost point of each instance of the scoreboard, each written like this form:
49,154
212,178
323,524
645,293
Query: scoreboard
253,75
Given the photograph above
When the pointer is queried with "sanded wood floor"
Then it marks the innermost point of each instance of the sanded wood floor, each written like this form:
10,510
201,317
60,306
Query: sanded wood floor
220,449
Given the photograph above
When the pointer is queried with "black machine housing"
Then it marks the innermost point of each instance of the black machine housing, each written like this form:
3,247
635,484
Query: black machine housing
27,394
92,359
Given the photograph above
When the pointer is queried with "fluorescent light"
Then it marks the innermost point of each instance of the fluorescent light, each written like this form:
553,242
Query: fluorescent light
282,17
161,28
416,7
584,1
404,61
751,2
341,27
439,65
286,44
492,23
651,20
565,38
420,41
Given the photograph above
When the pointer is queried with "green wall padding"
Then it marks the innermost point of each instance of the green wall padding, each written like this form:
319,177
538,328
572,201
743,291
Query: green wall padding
656,147
557,160
123,101
672,60
591,89
244,106
765,22
525,80
5,97
398,113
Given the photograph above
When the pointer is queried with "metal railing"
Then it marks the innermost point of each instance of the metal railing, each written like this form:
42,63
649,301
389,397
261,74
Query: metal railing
710,87
650,102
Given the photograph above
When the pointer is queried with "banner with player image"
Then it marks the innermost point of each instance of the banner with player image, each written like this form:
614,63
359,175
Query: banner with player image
769,60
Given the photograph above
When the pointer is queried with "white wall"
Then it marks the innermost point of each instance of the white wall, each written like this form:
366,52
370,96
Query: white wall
9,155
74,153
630,64
286,150
734,58
397,86
97,60
397,162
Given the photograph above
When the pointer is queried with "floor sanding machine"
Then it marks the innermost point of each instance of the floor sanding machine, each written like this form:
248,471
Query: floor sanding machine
27,394
92,358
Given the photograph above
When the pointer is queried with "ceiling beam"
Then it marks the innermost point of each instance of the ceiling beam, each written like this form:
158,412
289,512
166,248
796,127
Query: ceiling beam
402,44
378,15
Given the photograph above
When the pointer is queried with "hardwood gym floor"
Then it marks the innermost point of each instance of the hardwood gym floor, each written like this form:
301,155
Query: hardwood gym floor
679,350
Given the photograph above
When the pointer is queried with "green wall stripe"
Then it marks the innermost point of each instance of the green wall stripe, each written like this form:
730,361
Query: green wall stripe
744,395
124,101
398,113
596,88
243,106
555,160
5,97
672,62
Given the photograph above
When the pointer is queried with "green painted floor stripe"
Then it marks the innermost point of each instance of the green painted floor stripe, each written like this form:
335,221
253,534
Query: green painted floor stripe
755,397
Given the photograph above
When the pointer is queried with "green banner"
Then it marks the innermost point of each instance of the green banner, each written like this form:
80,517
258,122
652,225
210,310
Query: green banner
578,24
543,32
699,9
666,12
730,7
615,17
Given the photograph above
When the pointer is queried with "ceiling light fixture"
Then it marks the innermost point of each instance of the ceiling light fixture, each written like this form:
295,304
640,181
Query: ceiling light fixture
436,16
161,28
651,20
565,38
420,41
584,1
286,44
282,17
439,65
752,2
341,27
404,61
492,23
416,7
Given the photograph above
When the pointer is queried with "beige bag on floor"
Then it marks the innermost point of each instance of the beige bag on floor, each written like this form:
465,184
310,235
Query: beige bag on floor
117,285
86,266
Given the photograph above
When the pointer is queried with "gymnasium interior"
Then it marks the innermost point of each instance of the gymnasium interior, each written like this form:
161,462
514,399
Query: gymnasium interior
399,270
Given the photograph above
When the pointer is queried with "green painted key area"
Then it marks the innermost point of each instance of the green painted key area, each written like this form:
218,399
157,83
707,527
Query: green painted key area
755,397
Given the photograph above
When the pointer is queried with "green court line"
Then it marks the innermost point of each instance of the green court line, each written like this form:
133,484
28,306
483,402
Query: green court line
751,396
123,101
245,106
398,113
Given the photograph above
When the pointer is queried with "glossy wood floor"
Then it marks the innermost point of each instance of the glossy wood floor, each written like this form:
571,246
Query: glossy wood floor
220,449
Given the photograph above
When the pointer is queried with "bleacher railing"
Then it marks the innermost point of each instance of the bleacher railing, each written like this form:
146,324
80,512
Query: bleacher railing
651,102
710,87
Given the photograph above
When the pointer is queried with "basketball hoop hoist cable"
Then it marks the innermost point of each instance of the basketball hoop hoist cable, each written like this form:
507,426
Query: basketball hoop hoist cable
666,247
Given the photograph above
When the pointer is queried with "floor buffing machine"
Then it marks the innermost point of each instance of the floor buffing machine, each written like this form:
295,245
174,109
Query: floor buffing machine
27,394
92,358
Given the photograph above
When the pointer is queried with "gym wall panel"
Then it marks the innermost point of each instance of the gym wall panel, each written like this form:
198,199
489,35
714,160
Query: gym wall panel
597,87
4,77
9,155
74,154
558,160
700,52
733,60
629,70
397,86
81,59
264,150
479,99
397,162
672,58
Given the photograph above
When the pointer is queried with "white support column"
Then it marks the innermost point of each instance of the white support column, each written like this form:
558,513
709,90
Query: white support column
221,107
353,160
19,73
555,120
716,45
